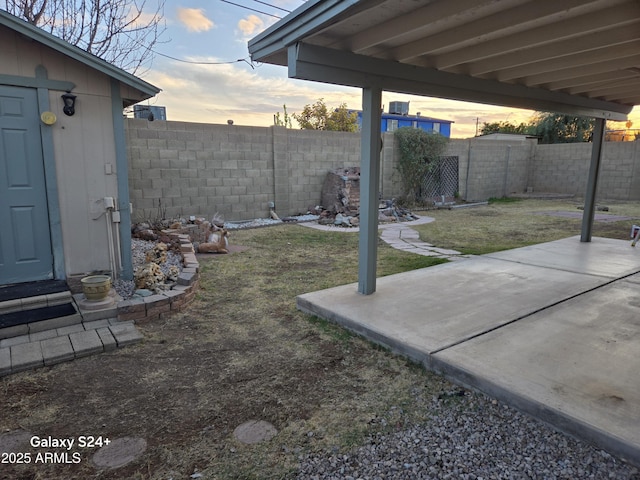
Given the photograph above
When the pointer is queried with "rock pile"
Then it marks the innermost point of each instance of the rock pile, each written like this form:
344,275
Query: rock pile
388,212
341,201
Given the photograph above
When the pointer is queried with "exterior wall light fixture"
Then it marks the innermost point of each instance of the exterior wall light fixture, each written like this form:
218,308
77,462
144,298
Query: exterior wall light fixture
69,100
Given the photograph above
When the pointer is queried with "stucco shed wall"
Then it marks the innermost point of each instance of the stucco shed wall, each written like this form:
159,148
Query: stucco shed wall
83,147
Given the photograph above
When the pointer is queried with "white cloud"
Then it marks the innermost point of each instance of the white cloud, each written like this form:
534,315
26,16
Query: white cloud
250,25
194,19
217,93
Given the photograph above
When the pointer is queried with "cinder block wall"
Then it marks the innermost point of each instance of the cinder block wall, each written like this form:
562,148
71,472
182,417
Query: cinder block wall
564,168
179,169
485,168
492,168
307,156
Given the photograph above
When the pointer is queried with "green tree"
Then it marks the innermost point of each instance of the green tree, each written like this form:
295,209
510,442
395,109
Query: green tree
506,127
558,128
284,121
342,120
419,153
318,117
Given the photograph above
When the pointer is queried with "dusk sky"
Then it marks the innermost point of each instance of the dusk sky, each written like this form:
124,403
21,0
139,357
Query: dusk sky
215,31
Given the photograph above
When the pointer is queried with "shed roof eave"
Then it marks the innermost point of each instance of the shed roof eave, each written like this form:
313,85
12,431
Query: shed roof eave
30,31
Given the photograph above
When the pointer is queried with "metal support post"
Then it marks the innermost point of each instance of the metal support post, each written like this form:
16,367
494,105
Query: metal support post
592,182
369,187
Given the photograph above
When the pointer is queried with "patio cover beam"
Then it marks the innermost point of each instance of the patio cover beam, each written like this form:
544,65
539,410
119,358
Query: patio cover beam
321,64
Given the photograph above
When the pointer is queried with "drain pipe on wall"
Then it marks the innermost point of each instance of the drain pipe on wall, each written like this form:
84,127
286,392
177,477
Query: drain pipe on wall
115,218
109,205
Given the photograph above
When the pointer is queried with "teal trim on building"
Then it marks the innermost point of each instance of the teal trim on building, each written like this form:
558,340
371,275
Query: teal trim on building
51,179
122,167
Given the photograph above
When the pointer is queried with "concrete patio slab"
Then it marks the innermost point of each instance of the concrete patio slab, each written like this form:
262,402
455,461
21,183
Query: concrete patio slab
602,256
575,365
431,309
552,329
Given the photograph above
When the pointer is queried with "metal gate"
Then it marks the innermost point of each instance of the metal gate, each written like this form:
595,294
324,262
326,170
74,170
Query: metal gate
442,180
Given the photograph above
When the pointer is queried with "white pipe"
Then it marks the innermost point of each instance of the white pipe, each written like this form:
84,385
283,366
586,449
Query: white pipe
118,251
110,240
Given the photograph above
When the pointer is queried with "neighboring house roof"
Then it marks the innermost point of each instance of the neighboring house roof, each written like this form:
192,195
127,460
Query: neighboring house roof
415,117
398,116
51,41
577,57
506,136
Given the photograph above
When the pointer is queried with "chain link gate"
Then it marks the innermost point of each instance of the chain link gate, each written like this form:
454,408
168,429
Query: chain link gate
442,180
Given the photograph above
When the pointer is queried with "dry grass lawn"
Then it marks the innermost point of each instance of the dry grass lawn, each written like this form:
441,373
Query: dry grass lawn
242,351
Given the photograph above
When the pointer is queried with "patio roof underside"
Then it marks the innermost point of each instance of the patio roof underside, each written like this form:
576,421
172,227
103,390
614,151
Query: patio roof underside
578,57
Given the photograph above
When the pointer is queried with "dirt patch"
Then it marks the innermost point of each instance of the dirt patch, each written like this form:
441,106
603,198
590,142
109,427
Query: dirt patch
240,352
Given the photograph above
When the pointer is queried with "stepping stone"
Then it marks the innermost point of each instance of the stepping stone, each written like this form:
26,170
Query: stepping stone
119,452
255,431
15,441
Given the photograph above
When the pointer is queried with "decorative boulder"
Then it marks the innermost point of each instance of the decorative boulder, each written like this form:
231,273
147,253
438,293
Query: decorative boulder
149,276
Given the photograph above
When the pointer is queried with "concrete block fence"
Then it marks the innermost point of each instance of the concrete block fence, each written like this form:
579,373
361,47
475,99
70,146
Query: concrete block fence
179,168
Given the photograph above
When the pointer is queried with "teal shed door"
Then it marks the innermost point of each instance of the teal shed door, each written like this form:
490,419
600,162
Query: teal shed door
25,241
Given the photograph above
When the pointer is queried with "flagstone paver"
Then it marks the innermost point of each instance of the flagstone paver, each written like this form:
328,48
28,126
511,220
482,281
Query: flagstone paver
401,237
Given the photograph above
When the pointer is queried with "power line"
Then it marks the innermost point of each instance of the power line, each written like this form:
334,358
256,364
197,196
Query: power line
252,9
188,61
272,6
203,63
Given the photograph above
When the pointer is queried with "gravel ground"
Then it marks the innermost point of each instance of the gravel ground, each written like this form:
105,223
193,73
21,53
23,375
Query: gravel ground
265,222
139,248
469,437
